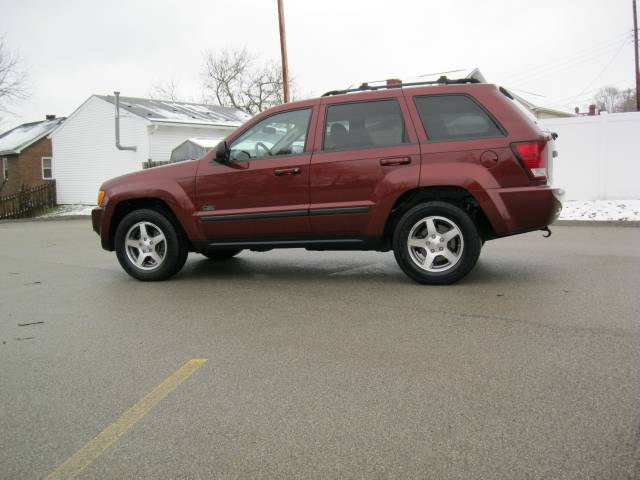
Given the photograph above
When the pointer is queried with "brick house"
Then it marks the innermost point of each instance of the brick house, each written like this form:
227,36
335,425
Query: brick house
25,155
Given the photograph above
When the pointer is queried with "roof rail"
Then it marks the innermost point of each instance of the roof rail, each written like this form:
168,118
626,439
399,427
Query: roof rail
440,81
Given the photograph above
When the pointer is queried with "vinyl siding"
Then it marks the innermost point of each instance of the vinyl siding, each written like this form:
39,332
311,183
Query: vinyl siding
85,155
84,151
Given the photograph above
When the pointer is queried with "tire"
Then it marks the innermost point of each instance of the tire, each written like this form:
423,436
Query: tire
436,243
163,250
221,255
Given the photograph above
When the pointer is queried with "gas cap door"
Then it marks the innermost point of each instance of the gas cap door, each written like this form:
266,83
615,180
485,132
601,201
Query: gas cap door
489,158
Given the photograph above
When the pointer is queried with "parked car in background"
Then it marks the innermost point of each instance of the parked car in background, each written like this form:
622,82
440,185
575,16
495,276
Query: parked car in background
430,171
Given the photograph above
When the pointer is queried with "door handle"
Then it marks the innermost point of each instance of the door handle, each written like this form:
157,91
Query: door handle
287,171
387,162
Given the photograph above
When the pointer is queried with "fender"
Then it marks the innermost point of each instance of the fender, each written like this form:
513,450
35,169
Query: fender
481,182
177,191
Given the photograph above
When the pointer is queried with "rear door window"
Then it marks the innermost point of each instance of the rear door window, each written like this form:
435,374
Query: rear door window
364,125
455,117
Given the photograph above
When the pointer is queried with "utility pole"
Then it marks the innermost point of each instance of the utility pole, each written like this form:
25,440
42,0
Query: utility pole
635,53
283,51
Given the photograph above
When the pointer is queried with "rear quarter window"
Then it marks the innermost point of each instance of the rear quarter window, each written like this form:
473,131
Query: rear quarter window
455,117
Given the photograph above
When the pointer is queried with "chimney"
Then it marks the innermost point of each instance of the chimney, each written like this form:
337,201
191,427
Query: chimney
394,82
50,117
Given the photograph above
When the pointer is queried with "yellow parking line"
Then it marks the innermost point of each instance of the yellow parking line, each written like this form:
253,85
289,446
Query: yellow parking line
94,448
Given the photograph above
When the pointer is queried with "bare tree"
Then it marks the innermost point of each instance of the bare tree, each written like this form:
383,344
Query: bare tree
165,90
627,101
13,78
614,100
607,98
231,79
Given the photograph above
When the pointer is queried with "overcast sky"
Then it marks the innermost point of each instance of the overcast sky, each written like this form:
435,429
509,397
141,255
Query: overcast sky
562,49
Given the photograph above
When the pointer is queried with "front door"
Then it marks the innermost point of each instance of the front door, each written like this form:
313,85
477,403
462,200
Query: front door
263,192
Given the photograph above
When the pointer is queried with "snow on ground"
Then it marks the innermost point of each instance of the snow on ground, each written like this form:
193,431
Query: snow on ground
601,210
594,210
66,210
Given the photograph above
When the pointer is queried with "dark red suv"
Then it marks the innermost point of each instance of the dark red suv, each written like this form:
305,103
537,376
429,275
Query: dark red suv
430,171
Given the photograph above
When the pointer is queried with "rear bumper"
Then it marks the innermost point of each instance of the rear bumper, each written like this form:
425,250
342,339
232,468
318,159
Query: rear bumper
519,210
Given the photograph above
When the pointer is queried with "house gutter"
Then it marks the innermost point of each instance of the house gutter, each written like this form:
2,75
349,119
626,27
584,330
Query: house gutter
118,146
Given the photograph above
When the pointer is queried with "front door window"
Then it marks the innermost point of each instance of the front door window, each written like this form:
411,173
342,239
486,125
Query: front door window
280,134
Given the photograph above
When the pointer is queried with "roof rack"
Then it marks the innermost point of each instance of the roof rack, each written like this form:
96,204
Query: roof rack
440,81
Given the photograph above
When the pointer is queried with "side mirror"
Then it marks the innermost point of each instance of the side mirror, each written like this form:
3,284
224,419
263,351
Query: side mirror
222,153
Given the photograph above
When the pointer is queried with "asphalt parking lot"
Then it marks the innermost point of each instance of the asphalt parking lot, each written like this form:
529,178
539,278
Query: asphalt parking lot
320,365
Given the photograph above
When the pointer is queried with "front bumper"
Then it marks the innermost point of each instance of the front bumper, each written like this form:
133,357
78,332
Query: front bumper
96,219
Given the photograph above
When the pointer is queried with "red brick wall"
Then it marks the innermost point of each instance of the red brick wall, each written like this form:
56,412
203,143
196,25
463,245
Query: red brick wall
26,168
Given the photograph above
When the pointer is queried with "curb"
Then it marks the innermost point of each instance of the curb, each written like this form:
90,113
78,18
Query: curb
46,219
596,223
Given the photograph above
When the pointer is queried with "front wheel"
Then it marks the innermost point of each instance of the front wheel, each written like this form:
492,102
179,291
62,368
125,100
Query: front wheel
148,246
436,243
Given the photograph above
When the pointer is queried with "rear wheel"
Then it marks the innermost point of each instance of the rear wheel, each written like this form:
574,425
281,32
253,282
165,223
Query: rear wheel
436,243
221,254
148,246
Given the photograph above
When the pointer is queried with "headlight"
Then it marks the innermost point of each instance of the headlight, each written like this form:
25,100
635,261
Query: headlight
101,198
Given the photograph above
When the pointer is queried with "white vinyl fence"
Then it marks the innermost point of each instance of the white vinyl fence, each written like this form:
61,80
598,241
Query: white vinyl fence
598,157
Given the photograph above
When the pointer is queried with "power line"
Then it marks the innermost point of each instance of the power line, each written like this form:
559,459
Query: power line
604,69
560,61
588,95
568,65
570,99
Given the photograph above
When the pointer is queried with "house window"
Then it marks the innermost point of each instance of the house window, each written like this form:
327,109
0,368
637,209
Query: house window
5,168
47,168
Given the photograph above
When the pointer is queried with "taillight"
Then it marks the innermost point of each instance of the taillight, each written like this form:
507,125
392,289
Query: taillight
531,156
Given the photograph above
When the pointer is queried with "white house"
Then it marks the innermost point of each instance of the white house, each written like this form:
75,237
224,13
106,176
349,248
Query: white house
84,147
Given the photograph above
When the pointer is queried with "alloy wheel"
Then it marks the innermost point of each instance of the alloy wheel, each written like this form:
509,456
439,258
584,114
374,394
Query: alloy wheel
146,246
435,244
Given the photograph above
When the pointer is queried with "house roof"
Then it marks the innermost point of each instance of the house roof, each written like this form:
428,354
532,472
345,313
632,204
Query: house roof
162,111
14,141
536,109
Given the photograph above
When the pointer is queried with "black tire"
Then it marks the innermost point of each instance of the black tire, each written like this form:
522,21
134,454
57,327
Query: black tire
221,255
175,253
467,248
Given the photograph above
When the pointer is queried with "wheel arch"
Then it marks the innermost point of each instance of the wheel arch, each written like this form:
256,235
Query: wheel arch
453,194
126,206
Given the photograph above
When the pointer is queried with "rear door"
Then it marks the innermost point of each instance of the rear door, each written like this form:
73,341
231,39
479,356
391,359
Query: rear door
264,190
366,155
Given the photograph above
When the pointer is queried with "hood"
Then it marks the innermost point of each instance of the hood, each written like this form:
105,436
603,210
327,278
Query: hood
171,171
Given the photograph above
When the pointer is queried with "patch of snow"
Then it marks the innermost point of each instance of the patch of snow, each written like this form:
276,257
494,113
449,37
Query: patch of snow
181,112
194,121
601,210
25,134
67,210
